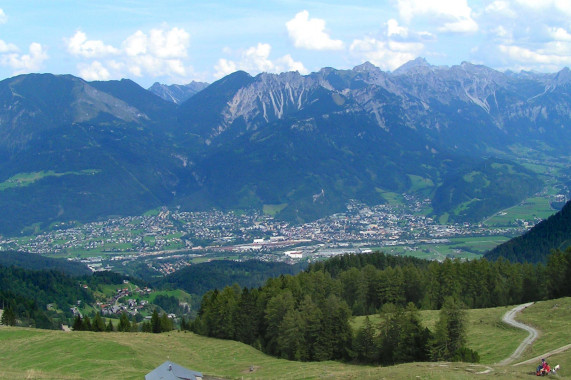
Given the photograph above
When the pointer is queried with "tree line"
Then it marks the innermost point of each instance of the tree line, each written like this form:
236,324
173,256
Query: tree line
157,324
306,316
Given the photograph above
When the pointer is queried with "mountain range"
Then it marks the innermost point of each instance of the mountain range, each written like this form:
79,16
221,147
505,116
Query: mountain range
72,150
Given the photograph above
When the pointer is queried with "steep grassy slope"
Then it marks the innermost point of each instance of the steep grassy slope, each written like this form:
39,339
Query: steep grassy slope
28,353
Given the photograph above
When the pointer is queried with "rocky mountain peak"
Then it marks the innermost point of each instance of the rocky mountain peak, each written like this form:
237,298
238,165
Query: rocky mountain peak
416,65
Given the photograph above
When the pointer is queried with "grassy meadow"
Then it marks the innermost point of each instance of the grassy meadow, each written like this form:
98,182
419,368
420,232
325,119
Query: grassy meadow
41,354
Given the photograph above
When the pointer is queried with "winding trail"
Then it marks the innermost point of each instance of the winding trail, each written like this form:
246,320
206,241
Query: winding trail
533,334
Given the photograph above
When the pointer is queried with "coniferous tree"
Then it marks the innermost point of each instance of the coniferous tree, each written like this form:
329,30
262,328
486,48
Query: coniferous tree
109,327
290,340
86,323
8,317
166,323
450,334
124,323
364,344
77,323
98,324
146,327
155,322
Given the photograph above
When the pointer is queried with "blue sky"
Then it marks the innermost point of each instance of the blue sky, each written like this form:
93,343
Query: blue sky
176,41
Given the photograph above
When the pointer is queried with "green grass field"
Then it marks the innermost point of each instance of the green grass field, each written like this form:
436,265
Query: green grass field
26,179
461,247
40,354
530,209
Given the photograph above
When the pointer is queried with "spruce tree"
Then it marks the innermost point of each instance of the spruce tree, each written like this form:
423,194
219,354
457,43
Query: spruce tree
8,317
124,324
156,322
77,323
450,335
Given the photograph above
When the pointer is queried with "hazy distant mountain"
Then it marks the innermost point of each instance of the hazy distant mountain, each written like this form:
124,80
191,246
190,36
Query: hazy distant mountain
177,93
76,150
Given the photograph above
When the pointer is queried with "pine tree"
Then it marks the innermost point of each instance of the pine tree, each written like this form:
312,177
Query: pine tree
8,317
98,323
364,344
450,335
77,323
110,327
155,322
124,324
166,323
86,324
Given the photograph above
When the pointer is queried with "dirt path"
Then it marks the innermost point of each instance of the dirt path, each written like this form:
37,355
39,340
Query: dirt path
533,334
537,359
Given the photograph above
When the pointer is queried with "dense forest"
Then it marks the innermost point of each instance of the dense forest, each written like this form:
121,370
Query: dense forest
43,298
306,316
34,261
200,278
28,294
535,245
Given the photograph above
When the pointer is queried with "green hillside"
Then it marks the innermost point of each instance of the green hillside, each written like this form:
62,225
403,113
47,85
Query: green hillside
29,353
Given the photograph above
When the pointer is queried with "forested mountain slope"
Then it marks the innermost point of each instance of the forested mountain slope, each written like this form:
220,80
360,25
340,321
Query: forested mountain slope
536,244
72,150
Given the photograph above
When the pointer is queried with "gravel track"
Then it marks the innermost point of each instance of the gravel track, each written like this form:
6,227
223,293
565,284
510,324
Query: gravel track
533,333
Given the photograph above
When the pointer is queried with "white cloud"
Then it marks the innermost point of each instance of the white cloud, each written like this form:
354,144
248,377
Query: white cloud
3,17
452,15
256,59
224,67
501,7
6,47
169,44
560,34
94,71
388,55
560,5
394,29
396,46
502,33
158,53
135,44
26,63
79,45
529,58
310,34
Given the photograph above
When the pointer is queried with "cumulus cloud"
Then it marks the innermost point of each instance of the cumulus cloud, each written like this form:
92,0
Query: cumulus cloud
452,15
157,53
6,47
310,34
501,7
94,71
25,63
3,17
256,59
394,29
79,45
388,55
529,58
559,5
527,34
393,48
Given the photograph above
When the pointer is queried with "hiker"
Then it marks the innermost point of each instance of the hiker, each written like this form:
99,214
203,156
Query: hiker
542,368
